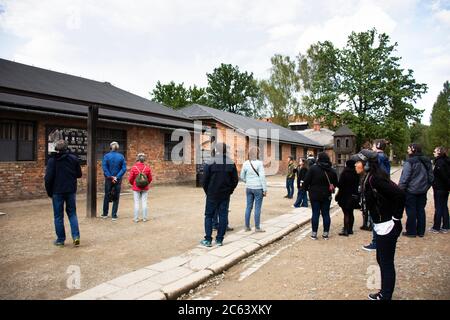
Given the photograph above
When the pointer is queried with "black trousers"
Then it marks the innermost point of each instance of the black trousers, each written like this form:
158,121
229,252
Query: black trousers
386,245
349,219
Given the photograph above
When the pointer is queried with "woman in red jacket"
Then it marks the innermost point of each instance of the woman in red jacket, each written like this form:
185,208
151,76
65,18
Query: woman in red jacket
140,178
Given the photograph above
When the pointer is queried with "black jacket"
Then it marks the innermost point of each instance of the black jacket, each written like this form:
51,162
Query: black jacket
316,181
441,174
61,174
301,175
347,196
383,198
220,178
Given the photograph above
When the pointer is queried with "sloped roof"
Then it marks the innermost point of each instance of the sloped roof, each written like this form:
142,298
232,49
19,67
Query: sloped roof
323,137
241,124
343,131
17,76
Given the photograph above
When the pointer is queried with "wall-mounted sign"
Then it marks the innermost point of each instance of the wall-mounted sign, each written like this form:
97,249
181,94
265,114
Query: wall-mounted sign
76,139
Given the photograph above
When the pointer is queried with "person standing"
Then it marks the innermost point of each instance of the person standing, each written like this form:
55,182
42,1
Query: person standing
290,177
252,173
441,187
416,179
383,161
63,170
320,182
385,202
140,178
302,195
347,196
220,178
114,167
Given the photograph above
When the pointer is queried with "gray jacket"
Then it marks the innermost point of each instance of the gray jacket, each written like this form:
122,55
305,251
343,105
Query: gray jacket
417,175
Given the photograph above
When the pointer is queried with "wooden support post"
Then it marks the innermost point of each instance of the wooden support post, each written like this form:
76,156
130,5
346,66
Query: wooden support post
91,199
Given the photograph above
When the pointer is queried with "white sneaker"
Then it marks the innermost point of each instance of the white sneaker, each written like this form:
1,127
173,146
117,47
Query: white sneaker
144,220
135,221
104,217
114,219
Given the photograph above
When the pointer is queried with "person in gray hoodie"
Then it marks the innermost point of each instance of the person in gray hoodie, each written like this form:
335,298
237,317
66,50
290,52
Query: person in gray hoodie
416,179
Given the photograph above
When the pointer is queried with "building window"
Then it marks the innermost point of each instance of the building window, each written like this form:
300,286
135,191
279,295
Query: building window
105,136
280,152
294,152
338,143
17,140
169,145
346,143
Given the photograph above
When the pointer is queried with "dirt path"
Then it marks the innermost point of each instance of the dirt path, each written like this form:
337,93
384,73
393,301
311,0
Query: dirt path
32,268
300,268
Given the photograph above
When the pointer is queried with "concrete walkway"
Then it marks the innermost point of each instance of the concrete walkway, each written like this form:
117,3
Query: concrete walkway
175,276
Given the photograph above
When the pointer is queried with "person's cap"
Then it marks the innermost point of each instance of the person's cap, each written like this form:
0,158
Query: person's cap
365,155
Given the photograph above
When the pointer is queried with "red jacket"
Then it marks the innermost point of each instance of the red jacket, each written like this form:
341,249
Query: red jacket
135,170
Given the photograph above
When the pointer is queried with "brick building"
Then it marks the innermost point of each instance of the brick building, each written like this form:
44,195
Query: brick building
290,143
27,125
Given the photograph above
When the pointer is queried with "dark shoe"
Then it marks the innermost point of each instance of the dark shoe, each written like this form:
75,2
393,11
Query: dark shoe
408,235
366,228
286,197
421,235
219,243
76,242
314,235
58,244
432,230
350,232
370,247
343,233
230,229
444,230
206,243
375,296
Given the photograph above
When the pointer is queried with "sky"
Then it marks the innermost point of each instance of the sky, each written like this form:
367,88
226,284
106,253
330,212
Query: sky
133,44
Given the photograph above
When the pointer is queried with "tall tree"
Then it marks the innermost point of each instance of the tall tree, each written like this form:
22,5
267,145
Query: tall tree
319,71
177,96
281,91
231,90
440,119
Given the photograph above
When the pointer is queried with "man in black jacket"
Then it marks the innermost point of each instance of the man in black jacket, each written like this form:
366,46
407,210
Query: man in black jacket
62,172
220,178
441,187
416,179
320,182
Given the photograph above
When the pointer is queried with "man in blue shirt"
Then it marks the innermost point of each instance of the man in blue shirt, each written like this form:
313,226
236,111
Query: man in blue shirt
114,167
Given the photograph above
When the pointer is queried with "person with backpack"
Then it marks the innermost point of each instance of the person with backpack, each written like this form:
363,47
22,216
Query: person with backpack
302,195
347,196
63,170
320,182
416,179
252,173
385,202
220,178
140,178
114,167
441,187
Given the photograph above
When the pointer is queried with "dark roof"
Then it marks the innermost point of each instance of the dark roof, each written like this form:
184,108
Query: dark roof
241,124
343,131
21,103
17,76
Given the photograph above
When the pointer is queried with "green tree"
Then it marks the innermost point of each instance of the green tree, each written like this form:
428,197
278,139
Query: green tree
281,91
419,133
177,96
232,90
440,119
319,71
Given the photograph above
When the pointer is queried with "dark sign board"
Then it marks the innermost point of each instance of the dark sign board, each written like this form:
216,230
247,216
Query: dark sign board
75,137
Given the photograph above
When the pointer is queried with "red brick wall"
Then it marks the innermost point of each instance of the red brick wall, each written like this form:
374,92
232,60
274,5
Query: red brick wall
25,179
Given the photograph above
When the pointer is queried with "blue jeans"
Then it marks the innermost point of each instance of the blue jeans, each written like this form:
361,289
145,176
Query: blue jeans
290,187
321,208
441,217
254,196
108,186
302,199
216,218
58,201
415,212
222,209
